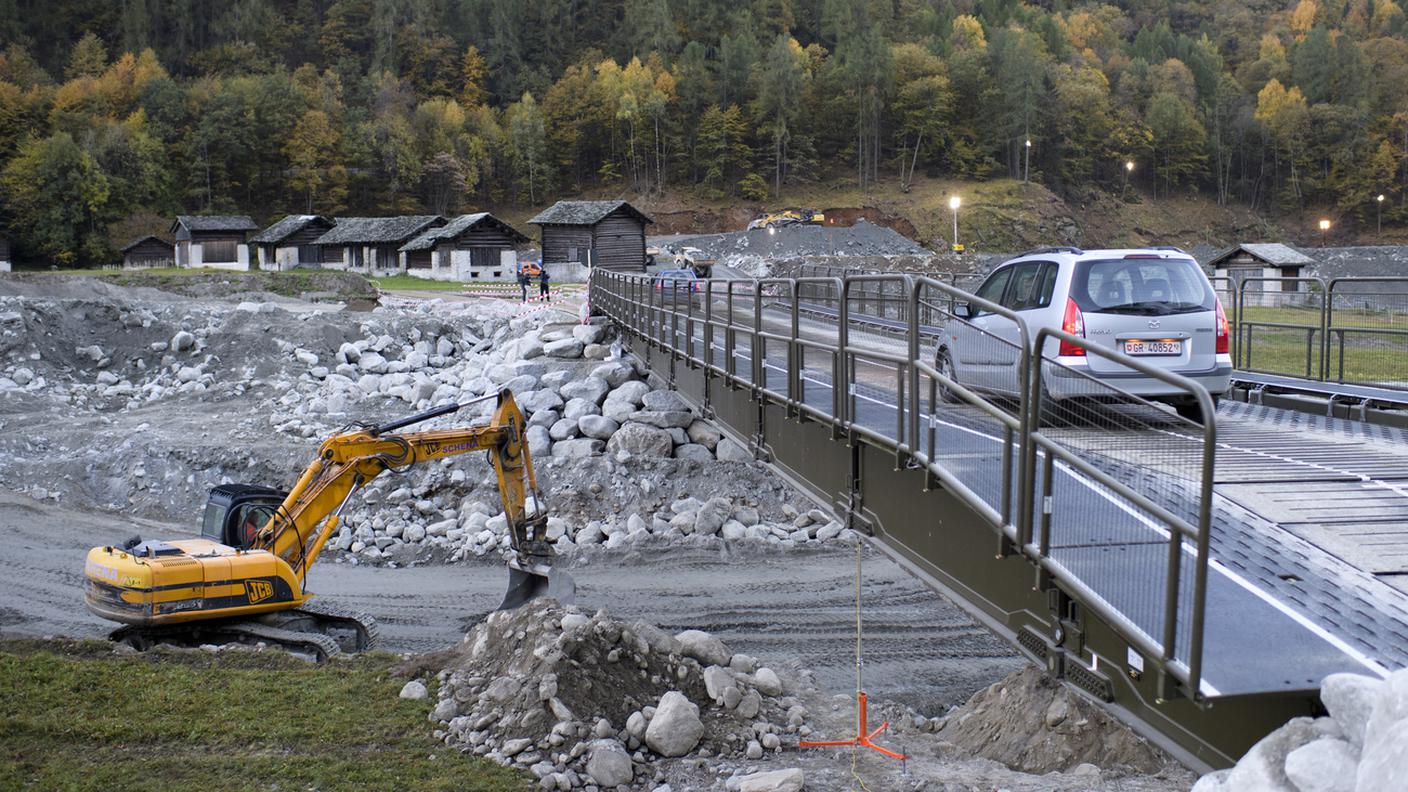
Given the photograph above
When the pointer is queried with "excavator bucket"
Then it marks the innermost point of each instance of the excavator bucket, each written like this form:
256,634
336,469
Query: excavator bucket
525,586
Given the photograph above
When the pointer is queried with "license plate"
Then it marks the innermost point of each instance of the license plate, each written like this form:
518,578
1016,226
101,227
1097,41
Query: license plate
1153,347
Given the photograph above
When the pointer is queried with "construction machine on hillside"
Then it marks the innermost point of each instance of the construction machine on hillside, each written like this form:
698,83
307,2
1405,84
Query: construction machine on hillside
245,579
788,217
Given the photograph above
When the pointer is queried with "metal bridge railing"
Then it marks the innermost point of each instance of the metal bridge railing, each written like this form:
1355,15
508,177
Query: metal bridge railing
1055,477
1344,330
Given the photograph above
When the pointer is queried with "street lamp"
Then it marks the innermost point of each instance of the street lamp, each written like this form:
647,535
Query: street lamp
1027,162
1124,185
953,203
1324,228
1380,199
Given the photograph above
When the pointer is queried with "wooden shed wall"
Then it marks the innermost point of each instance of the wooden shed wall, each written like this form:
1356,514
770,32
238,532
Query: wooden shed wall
620,242
559,239
485,236
151,250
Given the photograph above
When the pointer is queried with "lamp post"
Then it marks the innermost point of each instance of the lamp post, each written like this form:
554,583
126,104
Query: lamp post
953,203
1027,162
1380,200
1124,185
1324,229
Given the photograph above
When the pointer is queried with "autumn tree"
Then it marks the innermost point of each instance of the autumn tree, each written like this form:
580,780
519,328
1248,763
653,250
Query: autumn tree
312,151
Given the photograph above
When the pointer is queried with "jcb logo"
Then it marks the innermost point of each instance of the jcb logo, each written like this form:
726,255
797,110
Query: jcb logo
258,590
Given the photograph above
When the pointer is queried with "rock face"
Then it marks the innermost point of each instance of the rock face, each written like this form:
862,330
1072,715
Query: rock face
676,728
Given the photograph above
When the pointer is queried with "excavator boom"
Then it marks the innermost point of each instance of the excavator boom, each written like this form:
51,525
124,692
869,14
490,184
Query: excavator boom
158,584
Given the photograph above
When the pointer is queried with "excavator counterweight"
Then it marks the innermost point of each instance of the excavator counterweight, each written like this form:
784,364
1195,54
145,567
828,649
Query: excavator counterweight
245,578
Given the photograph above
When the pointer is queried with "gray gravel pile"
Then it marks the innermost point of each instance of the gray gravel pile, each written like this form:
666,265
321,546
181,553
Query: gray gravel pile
1361,746
595,702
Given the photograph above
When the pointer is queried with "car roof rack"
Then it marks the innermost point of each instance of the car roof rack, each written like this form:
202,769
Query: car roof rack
1038,251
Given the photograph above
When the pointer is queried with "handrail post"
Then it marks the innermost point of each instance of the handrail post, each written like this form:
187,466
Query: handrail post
759,369
1327,309
842,386
913,288
794,350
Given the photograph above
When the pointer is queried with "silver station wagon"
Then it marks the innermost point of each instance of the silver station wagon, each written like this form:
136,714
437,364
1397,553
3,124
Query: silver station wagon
1153,304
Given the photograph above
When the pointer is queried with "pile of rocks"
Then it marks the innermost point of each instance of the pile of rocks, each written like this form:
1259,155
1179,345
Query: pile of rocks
1361,746
405,522
596,702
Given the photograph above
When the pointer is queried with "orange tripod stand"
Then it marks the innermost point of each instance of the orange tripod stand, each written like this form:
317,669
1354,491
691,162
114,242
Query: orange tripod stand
864,737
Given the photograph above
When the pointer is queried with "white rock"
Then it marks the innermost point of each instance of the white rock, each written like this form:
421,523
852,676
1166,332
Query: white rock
703,647
608,763
182,341
695,452
641,440
702,433
22,376
565,348
414,690
767,681
716,680
729,451
589,334
675,729
632,392
581,447
617,410
372,363
564,429
1350,698
789,780
188,374
1263,767
593,389
615,373
598,426
1326,765
665,401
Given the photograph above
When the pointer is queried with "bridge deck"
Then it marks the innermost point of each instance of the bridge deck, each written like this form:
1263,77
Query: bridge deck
1275,600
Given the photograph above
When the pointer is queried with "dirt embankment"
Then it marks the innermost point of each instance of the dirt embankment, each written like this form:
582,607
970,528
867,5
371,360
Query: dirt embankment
313,285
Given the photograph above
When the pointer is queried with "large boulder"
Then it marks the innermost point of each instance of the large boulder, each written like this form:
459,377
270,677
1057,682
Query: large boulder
598,426
665,401
581,447
694,452
544,399
565,348
702,433
617,410
663,419
789,780
615,373
589,334
1349,698
703,647
608,763
593,389
1326,765
730,451
632,392
576,408
676,728
641,440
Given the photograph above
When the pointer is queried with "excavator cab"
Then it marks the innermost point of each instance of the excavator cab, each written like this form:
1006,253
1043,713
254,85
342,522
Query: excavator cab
234,513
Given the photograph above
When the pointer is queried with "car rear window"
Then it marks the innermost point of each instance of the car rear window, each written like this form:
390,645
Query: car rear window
1148,287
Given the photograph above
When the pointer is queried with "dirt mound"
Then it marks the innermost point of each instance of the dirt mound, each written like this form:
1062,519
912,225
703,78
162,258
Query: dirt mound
317,285
1031,722
547,684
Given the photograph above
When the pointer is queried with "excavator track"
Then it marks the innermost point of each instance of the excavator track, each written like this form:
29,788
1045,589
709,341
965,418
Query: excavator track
320,630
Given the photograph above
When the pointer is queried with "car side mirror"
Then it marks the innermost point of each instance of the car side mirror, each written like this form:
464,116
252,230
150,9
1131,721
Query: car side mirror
963,310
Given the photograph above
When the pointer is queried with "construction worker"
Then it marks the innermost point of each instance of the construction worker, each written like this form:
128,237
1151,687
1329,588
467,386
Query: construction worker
543,291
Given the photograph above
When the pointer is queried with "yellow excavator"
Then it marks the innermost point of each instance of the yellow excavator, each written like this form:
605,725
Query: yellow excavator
245,579
788,217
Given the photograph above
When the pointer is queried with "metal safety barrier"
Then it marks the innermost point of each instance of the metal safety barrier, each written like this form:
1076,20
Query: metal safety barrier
1341,330
1055,460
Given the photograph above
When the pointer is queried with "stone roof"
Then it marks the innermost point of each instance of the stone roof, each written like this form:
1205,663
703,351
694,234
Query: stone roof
377,230
457,226
1273,253
153,237
584,213
287,227
217,222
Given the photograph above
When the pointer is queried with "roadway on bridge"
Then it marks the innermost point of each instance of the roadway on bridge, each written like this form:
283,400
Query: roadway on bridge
1306,583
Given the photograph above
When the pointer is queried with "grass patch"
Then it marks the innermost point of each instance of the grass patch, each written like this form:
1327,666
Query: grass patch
1275,339
76,716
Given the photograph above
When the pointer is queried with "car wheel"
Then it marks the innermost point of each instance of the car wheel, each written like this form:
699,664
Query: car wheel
943,363
1193,411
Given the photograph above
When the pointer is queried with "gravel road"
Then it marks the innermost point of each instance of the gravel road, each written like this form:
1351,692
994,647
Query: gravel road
793,608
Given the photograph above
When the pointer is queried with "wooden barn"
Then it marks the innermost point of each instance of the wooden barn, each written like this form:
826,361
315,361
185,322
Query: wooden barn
4,254
289,243
608,234
220,241
470,247
372,244
147,252
1261,264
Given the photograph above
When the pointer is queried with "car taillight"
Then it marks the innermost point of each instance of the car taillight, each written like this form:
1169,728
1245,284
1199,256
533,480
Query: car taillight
1224,331
1073,323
